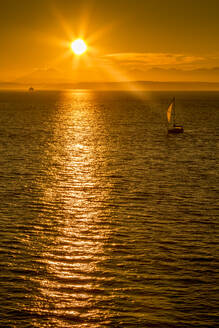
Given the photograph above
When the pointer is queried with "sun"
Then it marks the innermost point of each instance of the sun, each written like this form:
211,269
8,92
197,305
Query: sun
78,47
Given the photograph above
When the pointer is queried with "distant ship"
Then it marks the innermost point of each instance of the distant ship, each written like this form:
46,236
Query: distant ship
171,118
31,89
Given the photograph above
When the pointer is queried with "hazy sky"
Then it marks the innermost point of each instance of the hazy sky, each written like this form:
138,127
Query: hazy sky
127,40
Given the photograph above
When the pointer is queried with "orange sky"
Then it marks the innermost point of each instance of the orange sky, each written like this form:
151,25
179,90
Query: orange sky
171,40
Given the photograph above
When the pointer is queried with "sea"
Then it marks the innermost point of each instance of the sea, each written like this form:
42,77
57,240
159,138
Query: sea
105,219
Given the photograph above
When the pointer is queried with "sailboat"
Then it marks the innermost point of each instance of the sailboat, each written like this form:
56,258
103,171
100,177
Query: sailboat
171,118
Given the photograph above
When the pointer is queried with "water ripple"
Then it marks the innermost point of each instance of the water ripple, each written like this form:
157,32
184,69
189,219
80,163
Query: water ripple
105,220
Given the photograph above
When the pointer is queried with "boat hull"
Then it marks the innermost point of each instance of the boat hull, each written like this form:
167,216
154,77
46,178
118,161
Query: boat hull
176,130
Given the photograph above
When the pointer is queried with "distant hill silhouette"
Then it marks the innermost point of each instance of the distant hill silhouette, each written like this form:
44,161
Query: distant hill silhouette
136,85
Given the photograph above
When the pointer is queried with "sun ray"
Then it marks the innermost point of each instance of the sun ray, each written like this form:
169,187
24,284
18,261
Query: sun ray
100,33
63,22
61,58
117,75
93,59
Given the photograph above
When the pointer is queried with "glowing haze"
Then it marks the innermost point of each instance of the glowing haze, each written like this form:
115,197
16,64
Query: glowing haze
123,40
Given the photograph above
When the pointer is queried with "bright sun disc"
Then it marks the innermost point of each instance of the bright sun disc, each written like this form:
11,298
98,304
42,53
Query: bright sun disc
78,46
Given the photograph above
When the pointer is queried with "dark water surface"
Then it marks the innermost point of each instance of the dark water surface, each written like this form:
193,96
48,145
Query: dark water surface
105,221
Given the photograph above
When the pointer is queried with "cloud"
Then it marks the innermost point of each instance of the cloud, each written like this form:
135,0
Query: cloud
133,67
165,66
150,60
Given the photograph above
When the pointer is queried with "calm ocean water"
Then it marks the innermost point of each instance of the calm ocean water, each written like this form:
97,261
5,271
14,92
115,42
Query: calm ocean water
105,220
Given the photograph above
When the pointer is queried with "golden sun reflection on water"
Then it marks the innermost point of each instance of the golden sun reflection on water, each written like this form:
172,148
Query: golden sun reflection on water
71,260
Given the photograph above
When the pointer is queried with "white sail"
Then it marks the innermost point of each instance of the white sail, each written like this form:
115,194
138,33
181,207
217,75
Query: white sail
171,118
169,111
